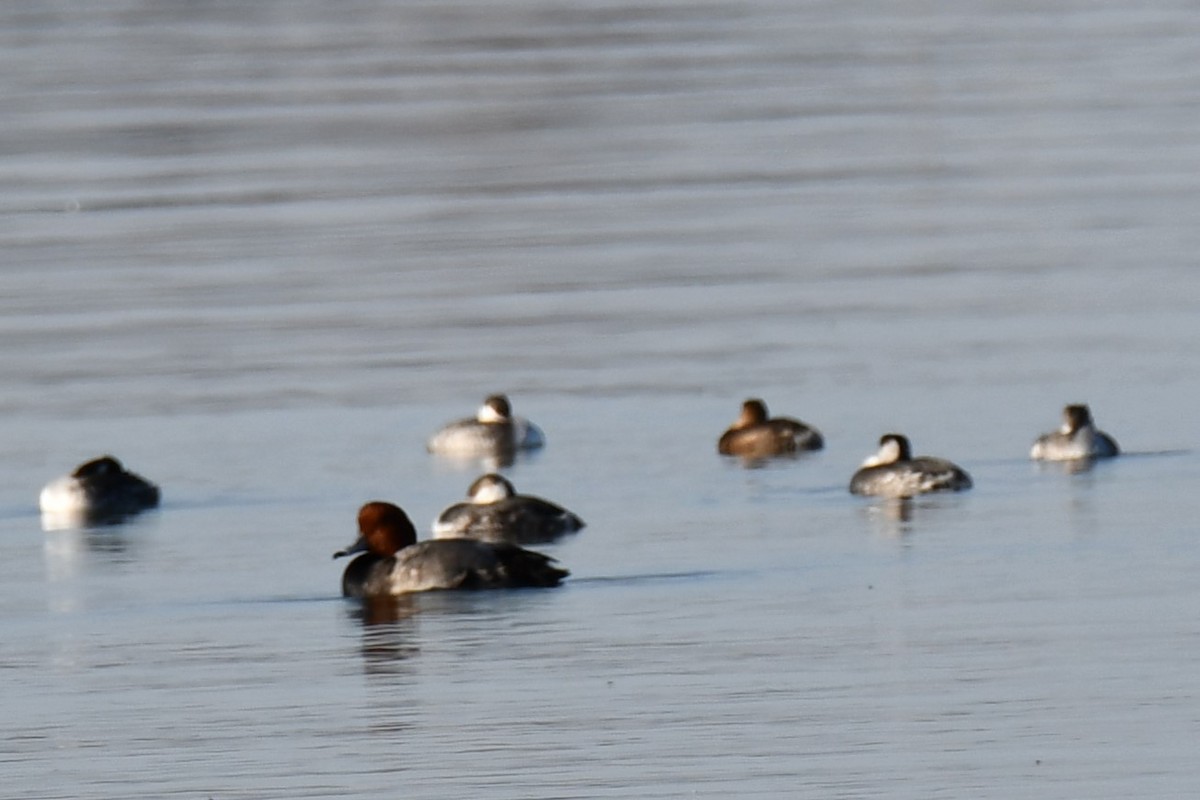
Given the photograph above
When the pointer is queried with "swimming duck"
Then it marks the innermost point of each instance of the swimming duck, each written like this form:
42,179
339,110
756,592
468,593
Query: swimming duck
1078,438
496,513
393,562
893,472
754,435
492,431
100,490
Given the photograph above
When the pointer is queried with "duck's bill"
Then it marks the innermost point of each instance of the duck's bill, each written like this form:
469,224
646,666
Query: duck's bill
359,546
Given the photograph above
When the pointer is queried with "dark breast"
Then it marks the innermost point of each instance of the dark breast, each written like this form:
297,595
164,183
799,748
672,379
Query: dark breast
368,575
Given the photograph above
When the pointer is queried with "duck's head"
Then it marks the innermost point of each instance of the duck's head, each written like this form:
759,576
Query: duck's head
754,412
383,529
98,468
1076,416
893,447
495,408
490,488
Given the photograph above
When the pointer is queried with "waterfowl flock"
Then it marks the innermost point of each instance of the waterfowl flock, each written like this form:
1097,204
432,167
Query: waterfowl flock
479,543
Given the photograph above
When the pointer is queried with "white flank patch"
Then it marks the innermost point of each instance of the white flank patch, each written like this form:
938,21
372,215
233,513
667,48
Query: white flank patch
63,496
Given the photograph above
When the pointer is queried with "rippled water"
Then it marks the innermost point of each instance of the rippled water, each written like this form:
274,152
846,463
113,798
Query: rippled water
260,251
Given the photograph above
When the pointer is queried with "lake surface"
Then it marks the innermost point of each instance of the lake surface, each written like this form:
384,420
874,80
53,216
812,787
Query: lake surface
261,251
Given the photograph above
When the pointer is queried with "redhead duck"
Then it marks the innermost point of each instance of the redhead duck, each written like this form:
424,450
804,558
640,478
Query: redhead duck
496,513
893,472
493,431
755,435
393,562
100,490
1078,438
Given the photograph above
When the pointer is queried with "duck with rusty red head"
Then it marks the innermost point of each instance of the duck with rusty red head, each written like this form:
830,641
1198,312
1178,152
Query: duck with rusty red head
392,562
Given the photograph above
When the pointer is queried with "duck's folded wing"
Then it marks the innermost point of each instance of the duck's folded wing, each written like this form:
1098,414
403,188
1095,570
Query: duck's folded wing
471,564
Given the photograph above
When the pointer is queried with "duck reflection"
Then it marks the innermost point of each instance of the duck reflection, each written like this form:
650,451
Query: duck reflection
388,632
893,516
384,610
53,521
493,462
1076,466
762,462
65,549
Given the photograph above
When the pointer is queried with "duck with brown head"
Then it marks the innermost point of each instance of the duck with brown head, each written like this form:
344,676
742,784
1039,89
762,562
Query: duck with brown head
756,435
393,562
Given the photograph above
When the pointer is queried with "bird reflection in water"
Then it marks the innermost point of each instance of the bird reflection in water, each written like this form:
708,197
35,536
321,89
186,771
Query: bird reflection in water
893,515
1075,466
389,630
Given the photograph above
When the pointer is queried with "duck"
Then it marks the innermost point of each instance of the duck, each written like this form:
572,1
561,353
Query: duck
495,512
393,562
100,490
494,430
756,435
893,472
1078,438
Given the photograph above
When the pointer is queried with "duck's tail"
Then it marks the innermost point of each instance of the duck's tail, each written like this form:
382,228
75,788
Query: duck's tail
523,567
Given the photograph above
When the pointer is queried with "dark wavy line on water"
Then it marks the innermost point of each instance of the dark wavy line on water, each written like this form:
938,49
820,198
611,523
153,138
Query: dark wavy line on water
649,577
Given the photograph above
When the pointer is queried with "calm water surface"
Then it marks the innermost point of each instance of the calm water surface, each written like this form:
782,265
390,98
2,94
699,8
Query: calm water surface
261,252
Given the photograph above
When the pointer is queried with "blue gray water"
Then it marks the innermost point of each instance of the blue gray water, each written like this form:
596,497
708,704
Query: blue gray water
260,251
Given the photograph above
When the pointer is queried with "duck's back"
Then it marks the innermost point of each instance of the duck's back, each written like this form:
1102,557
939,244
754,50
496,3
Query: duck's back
1059,446
125,493
1104,446
908,478
450,564
522,519
472,564
470,437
